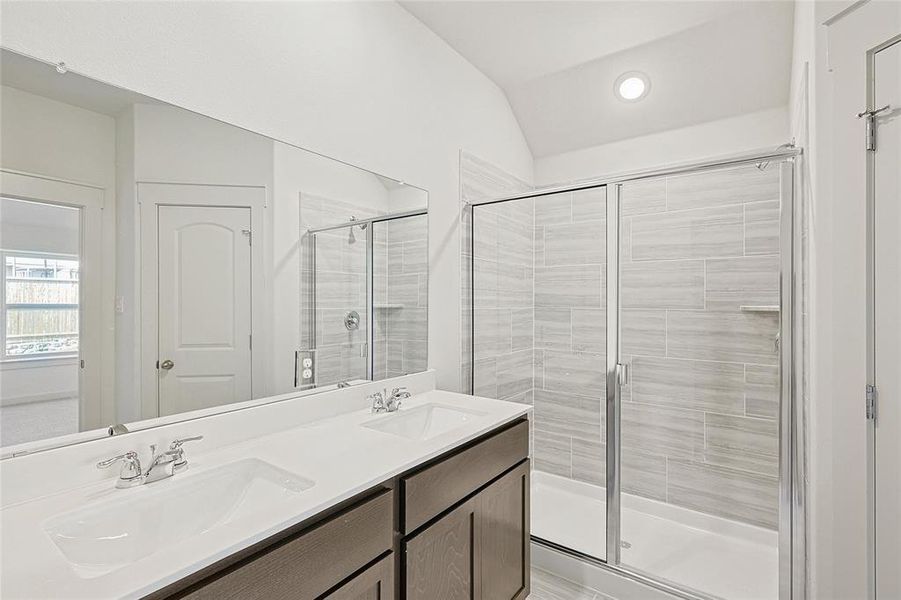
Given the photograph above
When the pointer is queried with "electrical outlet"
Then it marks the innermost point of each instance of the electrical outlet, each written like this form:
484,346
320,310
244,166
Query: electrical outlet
304,368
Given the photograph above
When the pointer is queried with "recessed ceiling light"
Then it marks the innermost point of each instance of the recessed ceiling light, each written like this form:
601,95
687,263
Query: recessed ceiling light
632,86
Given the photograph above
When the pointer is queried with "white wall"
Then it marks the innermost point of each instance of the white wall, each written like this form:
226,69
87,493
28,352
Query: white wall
838,443
49,138
765,129
361,81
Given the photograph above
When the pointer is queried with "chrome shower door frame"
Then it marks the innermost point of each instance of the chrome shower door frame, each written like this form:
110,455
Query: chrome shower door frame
791,542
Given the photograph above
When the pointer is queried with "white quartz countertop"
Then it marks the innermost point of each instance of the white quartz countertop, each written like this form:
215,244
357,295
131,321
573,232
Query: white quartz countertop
340,456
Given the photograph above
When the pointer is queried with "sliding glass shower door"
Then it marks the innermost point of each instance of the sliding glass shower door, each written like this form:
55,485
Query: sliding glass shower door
651,331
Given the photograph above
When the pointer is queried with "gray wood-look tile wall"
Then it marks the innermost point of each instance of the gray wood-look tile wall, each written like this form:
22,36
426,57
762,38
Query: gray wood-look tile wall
481,180
400,296
699,418
400,291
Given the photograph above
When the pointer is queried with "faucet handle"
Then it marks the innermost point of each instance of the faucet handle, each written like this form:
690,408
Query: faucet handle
176,444
400,391
131,465
377,401
178,453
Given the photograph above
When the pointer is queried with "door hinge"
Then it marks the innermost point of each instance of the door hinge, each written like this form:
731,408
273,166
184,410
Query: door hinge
81,363
622,374
872,396
250,341
870,116
249,235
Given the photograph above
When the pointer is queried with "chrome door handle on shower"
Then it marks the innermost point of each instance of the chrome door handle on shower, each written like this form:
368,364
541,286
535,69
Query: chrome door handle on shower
167,364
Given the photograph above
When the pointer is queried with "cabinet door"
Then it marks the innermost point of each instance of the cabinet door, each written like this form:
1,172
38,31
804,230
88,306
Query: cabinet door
503,533
375,583
441,561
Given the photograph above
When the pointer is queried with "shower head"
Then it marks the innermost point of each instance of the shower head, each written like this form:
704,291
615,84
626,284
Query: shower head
762,166
350,235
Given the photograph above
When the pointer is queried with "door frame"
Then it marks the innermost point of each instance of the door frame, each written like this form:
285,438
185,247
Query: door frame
871,319
152,195
93,408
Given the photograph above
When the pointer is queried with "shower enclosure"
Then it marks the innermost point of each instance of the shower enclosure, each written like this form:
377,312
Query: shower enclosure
648,320
366,284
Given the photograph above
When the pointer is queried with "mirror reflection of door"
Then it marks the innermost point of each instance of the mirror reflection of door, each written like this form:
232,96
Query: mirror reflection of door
204,266
201,279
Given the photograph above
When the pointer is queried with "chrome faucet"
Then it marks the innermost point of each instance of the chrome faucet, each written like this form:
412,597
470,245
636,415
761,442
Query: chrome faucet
162,465
384,402
398,395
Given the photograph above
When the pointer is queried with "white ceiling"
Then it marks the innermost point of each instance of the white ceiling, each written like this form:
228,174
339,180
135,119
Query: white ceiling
30,75
557,61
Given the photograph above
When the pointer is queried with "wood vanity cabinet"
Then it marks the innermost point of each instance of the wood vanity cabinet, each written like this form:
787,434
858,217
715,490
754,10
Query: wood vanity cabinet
454,528
479,550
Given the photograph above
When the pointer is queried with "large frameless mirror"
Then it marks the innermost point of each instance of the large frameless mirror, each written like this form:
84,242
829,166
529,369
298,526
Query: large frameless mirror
158,261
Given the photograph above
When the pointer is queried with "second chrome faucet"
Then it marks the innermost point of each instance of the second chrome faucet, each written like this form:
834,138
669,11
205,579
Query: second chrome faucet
162,464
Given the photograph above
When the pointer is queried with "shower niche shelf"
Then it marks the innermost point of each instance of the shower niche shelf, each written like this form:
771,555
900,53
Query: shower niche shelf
765,308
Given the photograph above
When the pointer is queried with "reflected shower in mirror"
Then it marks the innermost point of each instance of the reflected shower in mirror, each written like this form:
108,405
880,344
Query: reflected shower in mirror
158,261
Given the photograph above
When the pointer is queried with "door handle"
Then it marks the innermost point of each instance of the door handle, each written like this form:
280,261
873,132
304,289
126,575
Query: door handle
167,364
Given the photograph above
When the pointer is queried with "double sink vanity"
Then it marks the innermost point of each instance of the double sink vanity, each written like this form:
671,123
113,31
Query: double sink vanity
426,501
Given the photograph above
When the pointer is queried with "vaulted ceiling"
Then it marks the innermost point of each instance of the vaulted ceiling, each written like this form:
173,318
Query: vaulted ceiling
557,61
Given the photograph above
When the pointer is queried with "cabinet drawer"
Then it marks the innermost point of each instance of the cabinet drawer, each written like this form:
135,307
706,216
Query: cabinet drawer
436,488
308,565
375,583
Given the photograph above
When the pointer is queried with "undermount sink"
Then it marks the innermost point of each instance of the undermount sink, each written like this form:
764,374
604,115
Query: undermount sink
109,535
423,422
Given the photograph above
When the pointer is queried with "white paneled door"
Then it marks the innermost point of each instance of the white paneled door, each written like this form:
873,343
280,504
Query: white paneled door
886,184
204,307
